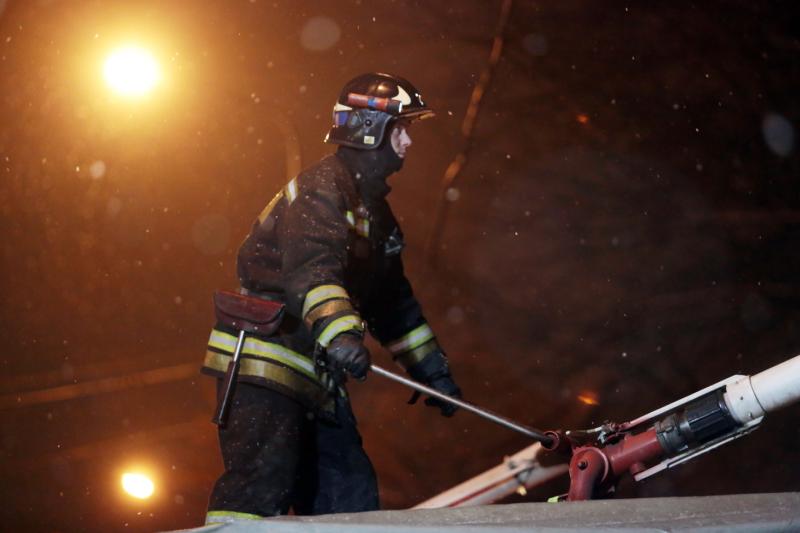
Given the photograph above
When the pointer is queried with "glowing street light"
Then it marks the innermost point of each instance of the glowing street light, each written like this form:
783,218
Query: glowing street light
131,71
137,485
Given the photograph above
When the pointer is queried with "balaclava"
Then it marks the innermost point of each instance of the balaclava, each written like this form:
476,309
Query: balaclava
371,168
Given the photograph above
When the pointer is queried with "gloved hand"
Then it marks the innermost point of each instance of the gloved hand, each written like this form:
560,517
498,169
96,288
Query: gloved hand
346,352
434,372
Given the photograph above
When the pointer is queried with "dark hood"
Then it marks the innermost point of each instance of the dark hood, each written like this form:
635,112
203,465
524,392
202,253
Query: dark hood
370,168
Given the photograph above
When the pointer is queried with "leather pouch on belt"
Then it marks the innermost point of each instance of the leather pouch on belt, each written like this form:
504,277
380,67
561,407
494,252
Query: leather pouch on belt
252,315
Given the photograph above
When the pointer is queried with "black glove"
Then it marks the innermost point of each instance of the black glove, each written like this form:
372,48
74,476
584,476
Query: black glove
434,372
346,352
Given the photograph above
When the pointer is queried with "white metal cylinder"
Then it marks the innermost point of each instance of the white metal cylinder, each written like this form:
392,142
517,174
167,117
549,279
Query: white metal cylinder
742,401
778,386
751,397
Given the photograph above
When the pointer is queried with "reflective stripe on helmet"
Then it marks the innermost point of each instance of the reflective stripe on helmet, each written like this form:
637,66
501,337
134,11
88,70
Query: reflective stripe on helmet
322,293
389,105
403,96
340,325
413,339
368,103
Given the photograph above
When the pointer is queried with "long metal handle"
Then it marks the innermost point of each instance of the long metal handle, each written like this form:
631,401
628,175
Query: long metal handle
221,416
485,413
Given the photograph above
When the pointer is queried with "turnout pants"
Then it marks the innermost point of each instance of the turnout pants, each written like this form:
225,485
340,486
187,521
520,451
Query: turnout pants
278,456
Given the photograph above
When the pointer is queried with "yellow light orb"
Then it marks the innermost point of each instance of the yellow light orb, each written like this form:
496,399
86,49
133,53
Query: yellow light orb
131,71
137,485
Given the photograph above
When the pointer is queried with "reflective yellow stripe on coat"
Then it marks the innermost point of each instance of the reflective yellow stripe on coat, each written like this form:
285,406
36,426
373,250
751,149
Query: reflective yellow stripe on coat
414,346
413,339
340,325
361,225
267,350
323,293
291,190
269,364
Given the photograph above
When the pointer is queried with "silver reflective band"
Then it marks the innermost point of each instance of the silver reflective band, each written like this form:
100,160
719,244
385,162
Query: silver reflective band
411,340
322,293
291,190
270,206
340,325
224,341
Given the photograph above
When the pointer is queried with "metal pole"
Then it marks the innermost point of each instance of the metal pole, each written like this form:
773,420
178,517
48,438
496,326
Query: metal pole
221,416
485,413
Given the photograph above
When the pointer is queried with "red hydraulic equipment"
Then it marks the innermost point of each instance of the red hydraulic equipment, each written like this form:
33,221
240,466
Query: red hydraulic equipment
599,457
676,433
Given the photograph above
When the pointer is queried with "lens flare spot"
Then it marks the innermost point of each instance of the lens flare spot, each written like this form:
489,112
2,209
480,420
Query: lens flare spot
137,485
320,33
588,398
131,71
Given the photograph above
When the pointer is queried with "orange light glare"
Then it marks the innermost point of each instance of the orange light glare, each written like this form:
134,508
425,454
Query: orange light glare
131,71
583,119
137,485
588,398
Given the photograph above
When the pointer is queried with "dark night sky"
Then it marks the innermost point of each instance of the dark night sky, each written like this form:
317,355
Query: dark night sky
626,226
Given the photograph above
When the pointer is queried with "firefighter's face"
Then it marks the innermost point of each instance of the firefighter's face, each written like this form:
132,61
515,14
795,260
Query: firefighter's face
400,139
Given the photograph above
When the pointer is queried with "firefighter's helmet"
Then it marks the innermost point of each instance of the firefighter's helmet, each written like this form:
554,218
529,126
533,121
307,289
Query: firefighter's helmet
368,104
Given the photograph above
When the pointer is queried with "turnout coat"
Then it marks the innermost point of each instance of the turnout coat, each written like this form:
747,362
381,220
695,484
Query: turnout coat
334,259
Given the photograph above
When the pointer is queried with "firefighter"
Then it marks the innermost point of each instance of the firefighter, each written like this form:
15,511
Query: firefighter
329,248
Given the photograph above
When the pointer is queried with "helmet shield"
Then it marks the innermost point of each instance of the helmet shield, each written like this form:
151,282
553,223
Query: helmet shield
368,104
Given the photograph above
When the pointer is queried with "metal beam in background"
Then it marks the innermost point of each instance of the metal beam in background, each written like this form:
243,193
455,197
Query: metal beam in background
82,366
99,386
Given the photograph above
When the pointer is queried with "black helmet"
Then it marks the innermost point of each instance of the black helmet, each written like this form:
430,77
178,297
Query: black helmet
368,104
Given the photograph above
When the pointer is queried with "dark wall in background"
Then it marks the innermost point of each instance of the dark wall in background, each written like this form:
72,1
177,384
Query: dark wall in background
626,229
